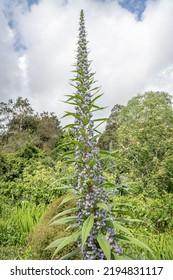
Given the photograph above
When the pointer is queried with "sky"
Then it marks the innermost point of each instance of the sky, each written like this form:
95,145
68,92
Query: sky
130,43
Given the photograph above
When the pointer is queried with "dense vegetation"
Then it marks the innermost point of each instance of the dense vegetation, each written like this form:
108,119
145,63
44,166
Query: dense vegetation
139,166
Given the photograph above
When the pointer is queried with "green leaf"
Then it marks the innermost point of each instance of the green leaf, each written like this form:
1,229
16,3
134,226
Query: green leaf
103,206
125,220
65,154
64,187
65,212
112,154
62,146
122,204
134,241
69,126
66,199
120,257
104,245
95,128
103,152
55,243
101,119
98,109
71,114
97,97
72,226
64,220
68,240
79,144
92,162
83,132
85,121
63,178
71,254
123,211
73,97
87,225
118,226
107,184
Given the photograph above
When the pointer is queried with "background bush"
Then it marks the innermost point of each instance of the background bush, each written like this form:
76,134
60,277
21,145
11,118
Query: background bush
44,234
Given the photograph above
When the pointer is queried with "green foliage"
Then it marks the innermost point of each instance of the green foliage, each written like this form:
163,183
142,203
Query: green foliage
152,224
66,241
160,244
156,213
3,167
30,175
145,128
12,252
17,222
108,139
45,234
48,131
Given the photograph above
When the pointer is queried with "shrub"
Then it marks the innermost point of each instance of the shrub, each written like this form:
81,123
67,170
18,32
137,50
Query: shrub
37,182
156,213
11,252
44,234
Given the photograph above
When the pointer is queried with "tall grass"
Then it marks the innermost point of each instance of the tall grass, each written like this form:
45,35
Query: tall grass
17,222
160,244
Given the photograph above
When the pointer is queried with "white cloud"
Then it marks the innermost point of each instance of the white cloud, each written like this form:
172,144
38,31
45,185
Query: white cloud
128,56
10,80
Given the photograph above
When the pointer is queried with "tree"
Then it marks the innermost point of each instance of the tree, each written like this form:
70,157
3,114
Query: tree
48,131
20,111
19,125
108,139
14,117
145,134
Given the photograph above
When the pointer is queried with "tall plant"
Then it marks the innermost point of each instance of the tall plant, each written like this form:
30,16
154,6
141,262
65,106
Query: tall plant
96,236
93,215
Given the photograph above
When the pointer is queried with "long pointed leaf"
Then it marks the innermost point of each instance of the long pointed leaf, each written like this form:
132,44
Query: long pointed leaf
72,226
103,206
66,199
68,240
65,212
134,241
120,257
55,243
104,245
87,225
118,226
71,254
64,220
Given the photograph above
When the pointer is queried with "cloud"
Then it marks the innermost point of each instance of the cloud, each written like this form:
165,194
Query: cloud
129,56
10,76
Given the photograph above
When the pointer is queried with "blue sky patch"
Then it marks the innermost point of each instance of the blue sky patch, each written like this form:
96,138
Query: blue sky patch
136,7
31,2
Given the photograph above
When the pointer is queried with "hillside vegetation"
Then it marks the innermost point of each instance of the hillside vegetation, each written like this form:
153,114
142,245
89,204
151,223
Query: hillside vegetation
136,156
